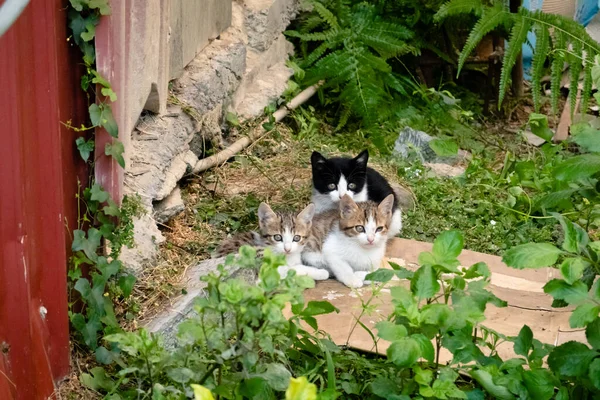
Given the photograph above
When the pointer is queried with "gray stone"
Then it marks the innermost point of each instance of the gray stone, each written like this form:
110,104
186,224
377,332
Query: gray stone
182,308
533,139
147,237
171,206
413,142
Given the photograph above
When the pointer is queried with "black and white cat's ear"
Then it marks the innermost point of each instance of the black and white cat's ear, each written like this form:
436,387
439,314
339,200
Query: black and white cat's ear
317,160
386,206
362,158
265,214
306,215
347,207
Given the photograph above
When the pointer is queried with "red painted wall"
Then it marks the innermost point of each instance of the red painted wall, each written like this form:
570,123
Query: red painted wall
39,169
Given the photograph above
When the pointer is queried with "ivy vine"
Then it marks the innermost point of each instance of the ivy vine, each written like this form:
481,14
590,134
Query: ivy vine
97,276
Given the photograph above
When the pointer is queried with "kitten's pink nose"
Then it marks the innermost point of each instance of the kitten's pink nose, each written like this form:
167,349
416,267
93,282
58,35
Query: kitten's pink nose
370,239
287,248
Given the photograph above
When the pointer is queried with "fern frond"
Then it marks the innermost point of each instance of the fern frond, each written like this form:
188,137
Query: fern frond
315,55
366,59
345,115
518,35
385,38
327,15
457,7
491,18
586,91
558,63
365,96
542,48
311,22
310,37
574,71
573,30
336,68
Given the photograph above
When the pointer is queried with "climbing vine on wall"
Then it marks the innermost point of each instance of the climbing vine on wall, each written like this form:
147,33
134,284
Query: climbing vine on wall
96,274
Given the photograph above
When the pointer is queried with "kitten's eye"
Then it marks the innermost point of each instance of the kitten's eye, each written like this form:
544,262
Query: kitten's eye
352,186
359,228
379,229
331,186
277,238
297,238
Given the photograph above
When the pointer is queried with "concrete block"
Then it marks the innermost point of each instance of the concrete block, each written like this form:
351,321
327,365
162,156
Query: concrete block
213,76
266,19
157,154
168,208
265,89
193,24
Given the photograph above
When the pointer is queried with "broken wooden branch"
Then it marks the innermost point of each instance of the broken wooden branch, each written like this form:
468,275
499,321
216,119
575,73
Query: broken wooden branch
241,144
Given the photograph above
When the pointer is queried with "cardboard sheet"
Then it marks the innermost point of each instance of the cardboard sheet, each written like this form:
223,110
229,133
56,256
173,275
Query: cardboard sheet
522,289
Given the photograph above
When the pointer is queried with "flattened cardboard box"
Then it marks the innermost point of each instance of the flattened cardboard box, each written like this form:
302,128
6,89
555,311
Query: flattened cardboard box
522,289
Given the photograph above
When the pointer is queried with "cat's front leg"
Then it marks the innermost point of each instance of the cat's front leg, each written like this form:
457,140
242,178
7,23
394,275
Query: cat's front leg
318,274
343,272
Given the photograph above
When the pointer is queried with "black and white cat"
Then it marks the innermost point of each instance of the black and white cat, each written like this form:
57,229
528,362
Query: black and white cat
335,177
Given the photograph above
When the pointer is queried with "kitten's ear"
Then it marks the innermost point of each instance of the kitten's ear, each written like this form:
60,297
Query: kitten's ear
265,214
385,207
317,160
362,158
307,214
347,207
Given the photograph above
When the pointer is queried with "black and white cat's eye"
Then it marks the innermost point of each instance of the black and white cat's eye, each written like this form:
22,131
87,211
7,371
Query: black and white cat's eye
359,228
379,229
352,186
277,238
297,238
331,186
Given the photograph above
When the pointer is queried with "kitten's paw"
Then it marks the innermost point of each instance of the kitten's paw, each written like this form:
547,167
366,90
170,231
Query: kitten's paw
320,274
362,275
283,271
353,282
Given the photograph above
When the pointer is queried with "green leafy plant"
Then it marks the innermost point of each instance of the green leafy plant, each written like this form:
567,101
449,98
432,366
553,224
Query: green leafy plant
100,279
559,40
236,345
574,364
239,344
96,273
355,42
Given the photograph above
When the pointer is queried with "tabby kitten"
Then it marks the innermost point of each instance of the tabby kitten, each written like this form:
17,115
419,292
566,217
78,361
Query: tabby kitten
350,242
335,177
284,233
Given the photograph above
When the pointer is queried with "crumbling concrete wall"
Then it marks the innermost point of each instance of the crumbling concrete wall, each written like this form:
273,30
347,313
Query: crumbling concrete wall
241,68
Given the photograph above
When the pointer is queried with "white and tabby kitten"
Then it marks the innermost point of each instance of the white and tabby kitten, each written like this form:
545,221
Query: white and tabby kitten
351,241
338,176
284,233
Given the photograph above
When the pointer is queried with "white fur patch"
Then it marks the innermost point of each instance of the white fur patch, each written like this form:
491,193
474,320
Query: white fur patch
396,224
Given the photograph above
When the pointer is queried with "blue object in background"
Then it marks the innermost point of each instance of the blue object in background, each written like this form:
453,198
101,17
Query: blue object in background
585,11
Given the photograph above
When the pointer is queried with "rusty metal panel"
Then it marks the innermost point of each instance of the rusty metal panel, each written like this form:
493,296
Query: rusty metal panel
38,181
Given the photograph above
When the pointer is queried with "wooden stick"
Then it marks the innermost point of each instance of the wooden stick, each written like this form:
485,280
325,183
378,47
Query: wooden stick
242,143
